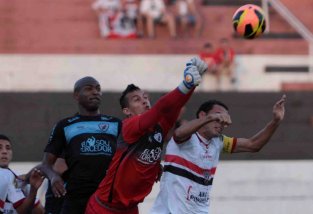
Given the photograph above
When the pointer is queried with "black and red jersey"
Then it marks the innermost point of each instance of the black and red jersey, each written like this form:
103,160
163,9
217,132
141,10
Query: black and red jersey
136,163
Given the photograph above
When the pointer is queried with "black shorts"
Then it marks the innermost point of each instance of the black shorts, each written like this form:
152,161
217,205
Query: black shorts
74,206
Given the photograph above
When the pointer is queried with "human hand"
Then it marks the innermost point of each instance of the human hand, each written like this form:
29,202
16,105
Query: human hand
192,76
279,109
57,185
223,118
200,64
36,178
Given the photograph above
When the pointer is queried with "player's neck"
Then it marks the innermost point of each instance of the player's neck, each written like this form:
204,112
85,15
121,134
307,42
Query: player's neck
205,135
89,113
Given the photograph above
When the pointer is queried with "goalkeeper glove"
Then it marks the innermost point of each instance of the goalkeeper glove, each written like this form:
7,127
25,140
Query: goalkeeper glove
201,65
192,78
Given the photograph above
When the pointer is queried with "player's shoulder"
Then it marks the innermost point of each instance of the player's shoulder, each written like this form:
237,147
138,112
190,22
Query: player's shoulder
6,174
110,118
69,119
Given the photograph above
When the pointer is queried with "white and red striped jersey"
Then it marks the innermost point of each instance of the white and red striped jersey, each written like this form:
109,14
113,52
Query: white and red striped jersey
189,169
4,186
11,193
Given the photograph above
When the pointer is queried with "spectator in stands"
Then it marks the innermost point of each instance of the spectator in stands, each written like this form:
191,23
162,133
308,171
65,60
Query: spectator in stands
17,193
208,55
130,9
225,55
155,12
188,16
193,153
113,22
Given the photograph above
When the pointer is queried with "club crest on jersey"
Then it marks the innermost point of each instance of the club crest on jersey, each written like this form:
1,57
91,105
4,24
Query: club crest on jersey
158,137
103,126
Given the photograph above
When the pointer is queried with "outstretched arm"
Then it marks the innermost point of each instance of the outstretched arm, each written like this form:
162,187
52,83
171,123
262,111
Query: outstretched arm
184,132
255,143
195,69
166,107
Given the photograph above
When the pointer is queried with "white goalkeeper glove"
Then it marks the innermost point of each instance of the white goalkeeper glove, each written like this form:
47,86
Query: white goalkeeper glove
201,65
192,78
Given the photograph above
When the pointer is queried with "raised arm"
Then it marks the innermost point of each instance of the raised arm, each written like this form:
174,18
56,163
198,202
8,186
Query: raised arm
255,143
184,132
35,181
167,108
197,68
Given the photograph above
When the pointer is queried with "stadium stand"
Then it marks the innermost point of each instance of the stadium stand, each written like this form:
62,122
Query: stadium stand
42,26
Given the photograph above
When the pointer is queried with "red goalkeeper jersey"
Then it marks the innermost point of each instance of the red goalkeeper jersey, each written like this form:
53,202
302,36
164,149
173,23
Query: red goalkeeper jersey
136,163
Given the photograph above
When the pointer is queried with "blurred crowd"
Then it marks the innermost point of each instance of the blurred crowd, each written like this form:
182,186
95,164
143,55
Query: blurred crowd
139,18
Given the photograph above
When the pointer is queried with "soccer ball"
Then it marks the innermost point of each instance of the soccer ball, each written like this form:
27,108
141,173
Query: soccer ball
249,21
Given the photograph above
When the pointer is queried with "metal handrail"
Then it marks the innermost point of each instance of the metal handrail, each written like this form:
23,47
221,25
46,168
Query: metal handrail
294,22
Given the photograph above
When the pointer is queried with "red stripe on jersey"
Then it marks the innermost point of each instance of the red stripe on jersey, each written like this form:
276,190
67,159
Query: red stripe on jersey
18,203
1,204
183,162
234,145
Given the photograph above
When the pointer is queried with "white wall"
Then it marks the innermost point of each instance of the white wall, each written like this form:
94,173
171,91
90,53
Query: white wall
33,72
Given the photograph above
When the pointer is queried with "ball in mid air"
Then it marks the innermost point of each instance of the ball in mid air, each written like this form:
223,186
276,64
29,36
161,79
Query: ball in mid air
249,21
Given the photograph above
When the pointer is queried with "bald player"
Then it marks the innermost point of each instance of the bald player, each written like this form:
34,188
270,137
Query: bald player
88,140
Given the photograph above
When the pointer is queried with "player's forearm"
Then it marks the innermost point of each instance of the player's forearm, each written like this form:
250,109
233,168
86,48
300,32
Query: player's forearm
28,202
167,106
46,166
263,136
172,101
187,129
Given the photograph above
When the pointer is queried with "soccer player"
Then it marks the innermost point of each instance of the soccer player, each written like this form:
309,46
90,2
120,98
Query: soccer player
193,153
88,140
16,196
136,164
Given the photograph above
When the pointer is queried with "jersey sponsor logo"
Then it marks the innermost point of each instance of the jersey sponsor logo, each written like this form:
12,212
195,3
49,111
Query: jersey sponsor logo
103,126
95,147
149,156
52,134
106,118
200,197
206,156
73,119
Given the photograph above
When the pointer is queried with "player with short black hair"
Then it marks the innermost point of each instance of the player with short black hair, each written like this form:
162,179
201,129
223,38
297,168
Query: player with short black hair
88,140
17,194
136,164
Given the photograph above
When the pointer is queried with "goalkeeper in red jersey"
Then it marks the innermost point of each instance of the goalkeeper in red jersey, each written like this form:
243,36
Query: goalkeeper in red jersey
136,163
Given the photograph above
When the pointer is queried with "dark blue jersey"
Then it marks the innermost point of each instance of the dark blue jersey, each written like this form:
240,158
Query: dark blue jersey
88,144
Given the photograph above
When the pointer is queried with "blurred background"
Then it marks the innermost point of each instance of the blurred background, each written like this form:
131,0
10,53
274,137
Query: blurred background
45,46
